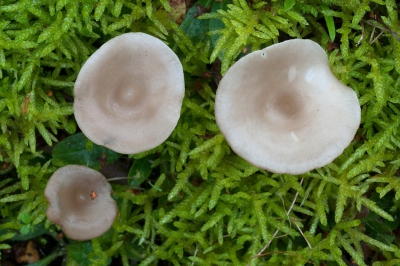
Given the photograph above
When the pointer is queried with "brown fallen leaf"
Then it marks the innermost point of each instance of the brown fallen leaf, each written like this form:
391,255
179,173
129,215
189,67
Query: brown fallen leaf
178,10
28,254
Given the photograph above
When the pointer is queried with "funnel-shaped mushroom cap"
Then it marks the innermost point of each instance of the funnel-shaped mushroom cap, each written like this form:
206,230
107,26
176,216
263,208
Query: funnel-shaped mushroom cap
128,94
283,110
80,202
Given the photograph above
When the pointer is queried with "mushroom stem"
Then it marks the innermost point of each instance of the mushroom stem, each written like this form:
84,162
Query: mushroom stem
123,178
117,178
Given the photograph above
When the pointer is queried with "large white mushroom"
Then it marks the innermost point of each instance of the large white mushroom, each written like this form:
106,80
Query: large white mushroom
128,94
283,110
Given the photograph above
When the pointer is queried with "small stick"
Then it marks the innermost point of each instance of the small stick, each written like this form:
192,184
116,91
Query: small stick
277,230
195,252
376,38
374,25
384,28
372,34
280,252
309,245
290,223
362,35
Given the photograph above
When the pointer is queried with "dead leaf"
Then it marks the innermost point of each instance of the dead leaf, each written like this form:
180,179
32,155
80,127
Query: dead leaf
178,10
28,254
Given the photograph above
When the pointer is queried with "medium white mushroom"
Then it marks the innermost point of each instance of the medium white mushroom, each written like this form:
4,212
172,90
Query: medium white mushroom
283,110
80,202
128,94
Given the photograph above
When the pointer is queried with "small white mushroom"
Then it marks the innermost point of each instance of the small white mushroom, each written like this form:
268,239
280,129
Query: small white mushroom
80,202
128,94
283,110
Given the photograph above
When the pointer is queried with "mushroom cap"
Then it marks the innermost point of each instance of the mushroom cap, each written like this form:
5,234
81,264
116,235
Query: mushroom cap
283,110
128,94
81,213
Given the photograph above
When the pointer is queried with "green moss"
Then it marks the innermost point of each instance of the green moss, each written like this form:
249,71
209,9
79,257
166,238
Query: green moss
202,204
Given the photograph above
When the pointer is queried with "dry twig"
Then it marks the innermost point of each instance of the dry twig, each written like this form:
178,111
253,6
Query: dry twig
277,230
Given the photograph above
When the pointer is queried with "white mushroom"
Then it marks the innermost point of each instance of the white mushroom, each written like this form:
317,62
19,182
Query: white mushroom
283,110
128,94
80,202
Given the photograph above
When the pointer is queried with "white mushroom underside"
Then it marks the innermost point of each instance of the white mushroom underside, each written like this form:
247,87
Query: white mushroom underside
129,93
283,110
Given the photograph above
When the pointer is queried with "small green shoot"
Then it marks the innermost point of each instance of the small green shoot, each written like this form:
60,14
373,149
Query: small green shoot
27,227
330,24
